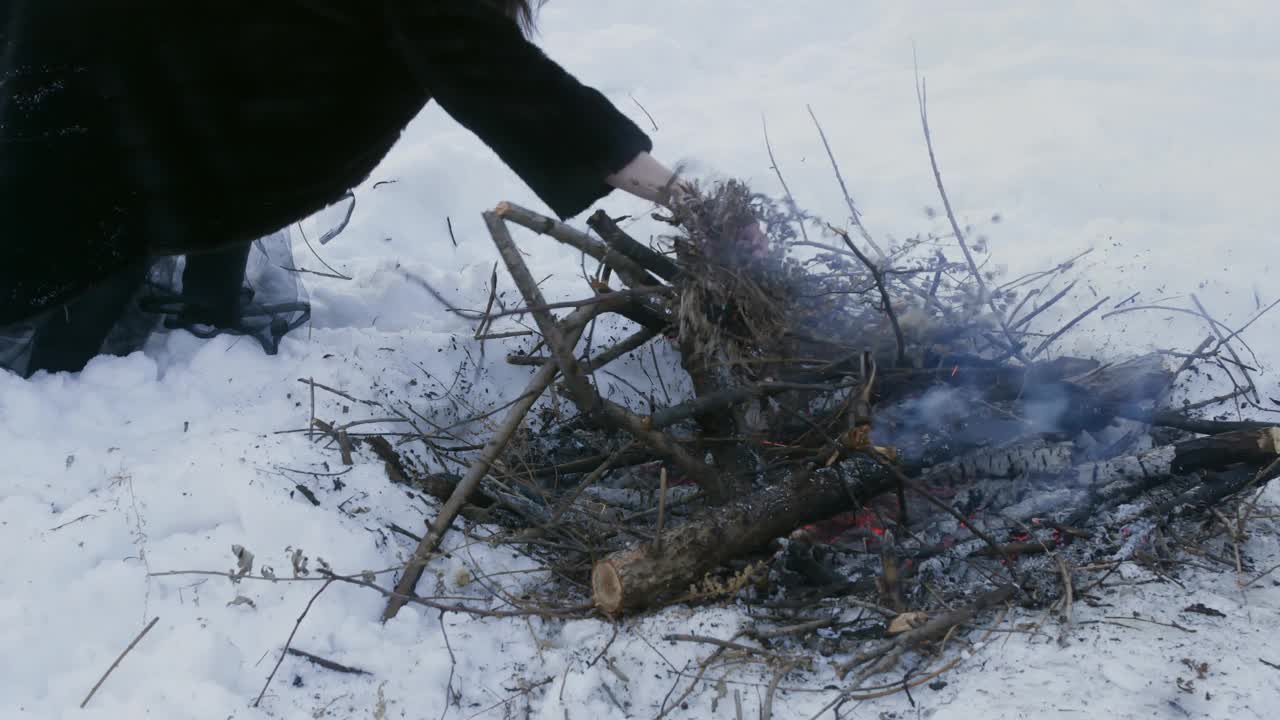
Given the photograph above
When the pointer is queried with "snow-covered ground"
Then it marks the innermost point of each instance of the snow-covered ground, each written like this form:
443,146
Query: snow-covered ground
1144,129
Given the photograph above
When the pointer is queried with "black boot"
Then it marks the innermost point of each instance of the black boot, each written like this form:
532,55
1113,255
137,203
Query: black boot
216,299
213,288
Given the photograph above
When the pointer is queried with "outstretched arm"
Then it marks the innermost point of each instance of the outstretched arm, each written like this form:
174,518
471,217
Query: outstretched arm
568,143
649,179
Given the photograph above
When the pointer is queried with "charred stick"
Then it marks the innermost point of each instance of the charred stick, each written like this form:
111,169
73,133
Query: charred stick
289,642
1173,420
486,320
635,341
630,271
1203,495
644,256
717,400
878,275
619,300
1197,354
646,316
937,281
1048,304
327,664
1019,548
1022,303
710,402
527,360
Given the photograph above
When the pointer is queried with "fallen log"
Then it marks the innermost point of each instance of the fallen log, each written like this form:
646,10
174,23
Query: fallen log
647,573
649,259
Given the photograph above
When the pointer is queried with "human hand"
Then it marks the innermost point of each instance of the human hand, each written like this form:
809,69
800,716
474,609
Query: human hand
753,239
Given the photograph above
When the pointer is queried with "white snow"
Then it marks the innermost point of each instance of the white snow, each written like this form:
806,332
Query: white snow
1144,129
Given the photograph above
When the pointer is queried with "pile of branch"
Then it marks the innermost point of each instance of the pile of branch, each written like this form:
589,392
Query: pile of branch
884,428
785,429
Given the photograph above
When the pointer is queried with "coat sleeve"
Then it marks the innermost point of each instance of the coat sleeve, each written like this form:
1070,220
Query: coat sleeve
561,137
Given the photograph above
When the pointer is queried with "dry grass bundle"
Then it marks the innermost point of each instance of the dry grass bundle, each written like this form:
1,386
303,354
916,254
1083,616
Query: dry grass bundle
737,288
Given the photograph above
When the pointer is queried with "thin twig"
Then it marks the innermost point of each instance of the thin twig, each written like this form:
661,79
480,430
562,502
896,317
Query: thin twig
326,663
798,629
878,276
120,657
662,508
311,433
1068,600
922,98
855,216
933,500
573,327
1173,625
453,664
1048,304
329,267
645,111
612,298
1224,342
339,393
791,200
1063,330
725,644
287,643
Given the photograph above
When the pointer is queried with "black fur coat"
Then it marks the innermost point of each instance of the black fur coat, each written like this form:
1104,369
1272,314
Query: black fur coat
133,128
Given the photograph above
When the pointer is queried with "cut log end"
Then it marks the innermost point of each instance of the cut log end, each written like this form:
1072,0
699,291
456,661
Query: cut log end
606,587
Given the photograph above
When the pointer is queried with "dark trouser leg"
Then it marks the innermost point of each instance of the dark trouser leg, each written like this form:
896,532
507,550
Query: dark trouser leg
211,285
69,337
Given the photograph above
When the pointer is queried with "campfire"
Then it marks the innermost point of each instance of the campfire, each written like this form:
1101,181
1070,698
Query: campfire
879,448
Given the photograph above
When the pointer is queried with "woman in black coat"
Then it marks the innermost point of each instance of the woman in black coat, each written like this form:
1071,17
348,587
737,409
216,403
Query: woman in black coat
132,130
